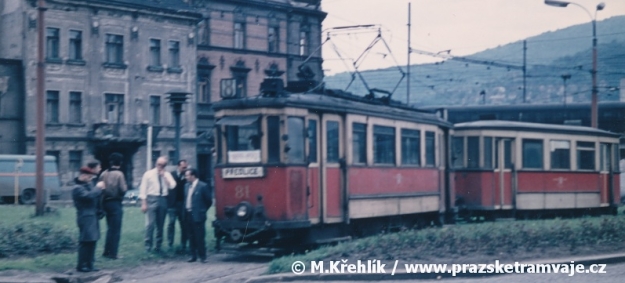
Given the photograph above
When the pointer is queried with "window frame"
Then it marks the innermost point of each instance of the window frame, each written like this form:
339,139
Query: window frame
407,134
239,35
430,156
584,146
359,146
114,49
53,38
75,45
75,107
382,138
155,52
52,106
155,109
525,158
173,49
554,155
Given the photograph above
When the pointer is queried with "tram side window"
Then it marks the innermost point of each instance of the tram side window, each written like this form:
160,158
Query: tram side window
295,128
457,145
473,152
332,136
488,152
410,147
585,155
273,139
383,145
560,154
430,155
359,143
312,141
605,156
533,154
507,150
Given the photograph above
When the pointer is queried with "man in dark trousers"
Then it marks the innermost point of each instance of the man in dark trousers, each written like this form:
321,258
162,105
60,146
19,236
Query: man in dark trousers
116,187
175,207
198,199
86,198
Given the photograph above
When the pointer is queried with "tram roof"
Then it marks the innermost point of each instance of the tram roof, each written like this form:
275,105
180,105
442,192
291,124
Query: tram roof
532,127
335,104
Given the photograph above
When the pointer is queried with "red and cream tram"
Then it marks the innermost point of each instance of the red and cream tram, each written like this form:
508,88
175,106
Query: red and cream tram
522,169
307,168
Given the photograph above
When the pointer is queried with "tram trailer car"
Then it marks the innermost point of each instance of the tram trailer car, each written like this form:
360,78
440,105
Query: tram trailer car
518,169
298,170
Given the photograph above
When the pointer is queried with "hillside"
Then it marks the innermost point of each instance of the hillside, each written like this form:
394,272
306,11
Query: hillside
549,56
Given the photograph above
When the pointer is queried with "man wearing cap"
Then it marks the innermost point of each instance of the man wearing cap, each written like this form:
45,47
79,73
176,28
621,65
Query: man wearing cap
86,198
153,191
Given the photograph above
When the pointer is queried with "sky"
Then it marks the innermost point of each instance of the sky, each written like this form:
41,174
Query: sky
462,26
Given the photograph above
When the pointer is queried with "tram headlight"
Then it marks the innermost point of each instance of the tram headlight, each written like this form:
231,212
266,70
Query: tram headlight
244,211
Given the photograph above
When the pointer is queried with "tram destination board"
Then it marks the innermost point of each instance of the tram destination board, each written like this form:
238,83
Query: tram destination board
242,172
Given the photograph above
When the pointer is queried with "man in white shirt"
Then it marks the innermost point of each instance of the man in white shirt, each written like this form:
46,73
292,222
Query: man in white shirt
153,191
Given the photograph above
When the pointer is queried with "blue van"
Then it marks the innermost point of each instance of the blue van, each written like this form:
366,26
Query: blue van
17,177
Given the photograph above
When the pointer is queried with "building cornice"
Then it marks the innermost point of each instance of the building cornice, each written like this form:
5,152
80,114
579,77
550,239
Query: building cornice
274,5
133,8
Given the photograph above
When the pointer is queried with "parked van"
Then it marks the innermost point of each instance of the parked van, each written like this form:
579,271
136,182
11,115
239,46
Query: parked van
17,176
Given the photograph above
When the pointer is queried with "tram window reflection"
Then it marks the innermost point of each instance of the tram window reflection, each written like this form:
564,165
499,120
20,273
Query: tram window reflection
473,152
430,156
383,145
457,145
410,147
585,155
560,154
295,127
532,154
488,152
359,146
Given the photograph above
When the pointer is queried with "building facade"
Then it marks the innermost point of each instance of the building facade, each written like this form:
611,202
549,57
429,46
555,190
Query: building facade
238,40
108,67
110,63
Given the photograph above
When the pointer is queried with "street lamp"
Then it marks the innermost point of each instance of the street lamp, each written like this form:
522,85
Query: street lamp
177,98
600,6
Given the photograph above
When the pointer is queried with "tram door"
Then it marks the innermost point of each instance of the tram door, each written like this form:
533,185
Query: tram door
605,171
502,197
331,172
314,174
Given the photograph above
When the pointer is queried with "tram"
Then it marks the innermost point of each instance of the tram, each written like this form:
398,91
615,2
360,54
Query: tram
302,169
519,169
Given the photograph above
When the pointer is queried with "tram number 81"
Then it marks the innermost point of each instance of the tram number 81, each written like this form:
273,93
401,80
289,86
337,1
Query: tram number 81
242,191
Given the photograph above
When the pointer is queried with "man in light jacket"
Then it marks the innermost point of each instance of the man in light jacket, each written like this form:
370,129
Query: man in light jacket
155,186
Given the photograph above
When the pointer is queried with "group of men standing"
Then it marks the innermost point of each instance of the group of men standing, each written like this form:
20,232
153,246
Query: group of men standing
183,197
179,194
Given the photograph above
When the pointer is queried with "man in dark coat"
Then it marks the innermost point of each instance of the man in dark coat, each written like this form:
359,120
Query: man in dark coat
198,199
86,198
175,207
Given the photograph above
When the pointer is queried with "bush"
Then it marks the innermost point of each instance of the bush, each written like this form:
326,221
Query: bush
32,239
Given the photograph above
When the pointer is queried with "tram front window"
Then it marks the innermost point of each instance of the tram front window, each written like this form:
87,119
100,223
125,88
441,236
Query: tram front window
243,139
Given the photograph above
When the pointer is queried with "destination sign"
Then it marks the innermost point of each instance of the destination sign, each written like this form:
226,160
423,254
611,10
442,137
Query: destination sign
242,172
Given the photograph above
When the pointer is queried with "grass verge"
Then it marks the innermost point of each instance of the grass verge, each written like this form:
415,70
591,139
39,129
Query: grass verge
62,252
504,240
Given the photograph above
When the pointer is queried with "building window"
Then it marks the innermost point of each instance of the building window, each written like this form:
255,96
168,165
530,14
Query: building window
172,157
383,145
473,152
312,141
155,52
303,43
75,45
204,86
114,104
75,107
295,128
114,49
239,35
410,147
359,143
52,43
560,154
174,54
532,154
203,30
585,155
332,136
241,84
75,160
52,106
273,39
457,147
430,149
155,109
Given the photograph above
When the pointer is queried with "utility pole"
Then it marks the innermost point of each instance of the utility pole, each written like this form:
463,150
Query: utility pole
40,134
524,71
564,78
408,64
